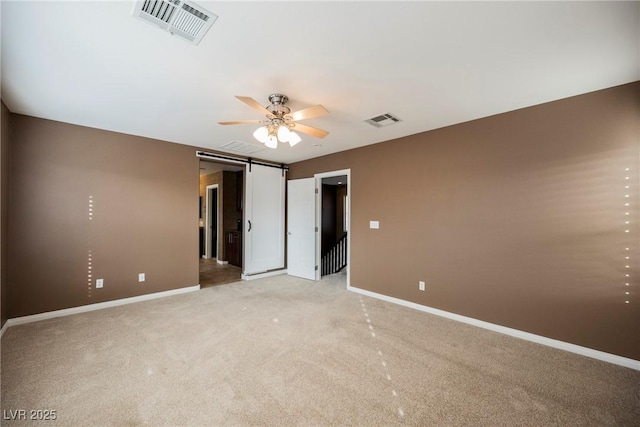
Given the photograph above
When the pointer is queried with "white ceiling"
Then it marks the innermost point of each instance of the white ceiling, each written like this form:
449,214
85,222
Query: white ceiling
432,64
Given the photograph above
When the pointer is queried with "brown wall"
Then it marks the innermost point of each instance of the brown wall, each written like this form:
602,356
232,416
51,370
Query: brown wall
341,191
4,205
329,226
516,219
231,214
144,194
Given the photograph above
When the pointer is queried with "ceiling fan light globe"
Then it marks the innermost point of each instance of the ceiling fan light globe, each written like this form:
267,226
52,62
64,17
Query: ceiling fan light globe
283,133
294,138
261,134
272,141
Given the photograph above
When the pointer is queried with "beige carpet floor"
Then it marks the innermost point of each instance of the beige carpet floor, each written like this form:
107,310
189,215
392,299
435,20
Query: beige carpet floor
283,351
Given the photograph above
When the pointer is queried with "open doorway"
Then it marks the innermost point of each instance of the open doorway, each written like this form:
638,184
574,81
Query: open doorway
333,236
333,252
318,226
221,213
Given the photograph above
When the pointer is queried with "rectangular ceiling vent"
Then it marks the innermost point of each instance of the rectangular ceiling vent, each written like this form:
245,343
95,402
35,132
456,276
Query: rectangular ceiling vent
241,147
179,17
383,120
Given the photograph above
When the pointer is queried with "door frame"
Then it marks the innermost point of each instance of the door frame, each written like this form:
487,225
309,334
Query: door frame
207,230
319,177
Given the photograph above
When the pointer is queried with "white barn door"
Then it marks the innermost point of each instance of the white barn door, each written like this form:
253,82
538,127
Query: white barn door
301,224
264,219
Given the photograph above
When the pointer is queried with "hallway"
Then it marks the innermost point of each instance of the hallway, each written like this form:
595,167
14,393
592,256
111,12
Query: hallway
213,274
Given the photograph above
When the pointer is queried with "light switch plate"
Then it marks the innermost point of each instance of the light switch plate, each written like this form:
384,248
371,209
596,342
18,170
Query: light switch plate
99,283
374,224
141,277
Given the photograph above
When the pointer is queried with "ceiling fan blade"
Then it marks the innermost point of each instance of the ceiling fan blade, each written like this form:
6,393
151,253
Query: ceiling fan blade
318,133
254,104
240,122
308,113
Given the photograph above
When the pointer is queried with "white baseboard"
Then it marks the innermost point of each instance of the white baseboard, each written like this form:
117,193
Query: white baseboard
4,328
97,306
550,342
263,275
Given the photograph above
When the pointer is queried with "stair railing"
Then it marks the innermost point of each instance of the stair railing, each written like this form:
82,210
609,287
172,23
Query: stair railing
336,258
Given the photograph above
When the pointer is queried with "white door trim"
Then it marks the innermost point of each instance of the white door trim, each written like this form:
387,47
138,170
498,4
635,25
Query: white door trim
207,230
319,177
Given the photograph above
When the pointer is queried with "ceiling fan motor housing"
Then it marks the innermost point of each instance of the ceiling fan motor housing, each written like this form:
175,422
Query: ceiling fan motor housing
277,106
278,98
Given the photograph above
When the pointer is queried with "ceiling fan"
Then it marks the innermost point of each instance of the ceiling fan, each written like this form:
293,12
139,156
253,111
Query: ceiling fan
280,123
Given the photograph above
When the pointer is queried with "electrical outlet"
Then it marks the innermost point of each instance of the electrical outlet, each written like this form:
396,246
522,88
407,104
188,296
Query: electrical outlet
99,283
421,285
141,277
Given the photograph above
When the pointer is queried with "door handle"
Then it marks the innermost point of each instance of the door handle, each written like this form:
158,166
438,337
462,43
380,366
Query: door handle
249,226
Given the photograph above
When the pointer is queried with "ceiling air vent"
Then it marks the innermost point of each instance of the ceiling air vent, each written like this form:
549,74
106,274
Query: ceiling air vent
179,17
240,147
383,120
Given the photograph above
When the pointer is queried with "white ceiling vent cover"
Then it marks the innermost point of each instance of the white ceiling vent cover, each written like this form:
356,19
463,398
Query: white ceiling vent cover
383,120
179,17
241,147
